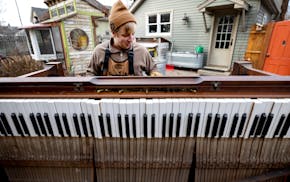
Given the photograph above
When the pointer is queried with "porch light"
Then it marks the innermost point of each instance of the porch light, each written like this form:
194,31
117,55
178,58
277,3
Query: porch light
185,19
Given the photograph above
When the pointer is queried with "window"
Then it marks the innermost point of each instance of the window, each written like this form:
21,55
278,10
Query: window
61,10
70,8
44,41
54,12
79,39
159,23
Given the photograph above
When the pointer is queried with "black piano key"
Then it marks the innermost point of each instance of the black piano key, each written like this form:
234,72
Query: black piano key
34,123
6,124
189,124
145,119
84,124
281,121
234,124
48,124
171,121
101,120
91,125
120,125
152,125
2,128
134,125
223,125
127,125
16,123
196,125
216,123
23,123
208,123
261,124
65,122
77,126
163,125
286,126
58,124
41,124
242,124
267,124
254,125
178,124
108,118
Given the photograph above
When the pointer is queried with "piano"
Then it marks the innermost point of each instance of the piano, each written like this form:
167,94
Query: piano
91,129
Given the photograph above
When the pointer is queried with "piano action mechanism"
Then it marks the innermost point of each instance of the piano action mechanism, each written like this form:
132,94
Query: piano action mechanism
145,129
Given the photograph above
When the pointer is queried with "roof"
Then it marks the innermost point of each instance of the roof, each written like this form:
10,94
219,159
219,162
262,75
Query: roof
41,13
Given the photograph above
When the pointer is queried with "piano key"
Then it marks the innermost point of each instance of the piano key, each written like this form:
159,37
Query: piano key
286,126
116,111
234,124
242,124
153,116
175,111
149,112
102,128
189,124
163,125
2,129
34,123
120,125
145,125
254,125
23,123
216,123
132,107
7,109
108,119
58,123
127,126
171,120
208,123
123,112
279,126
140,121
66,125
196,124
48,124
76,123
223,125
156,125
84,124
91,125
178,120
134,125
93,108
260,124
17,125
187,104
41,124
165,108
204,109
267,125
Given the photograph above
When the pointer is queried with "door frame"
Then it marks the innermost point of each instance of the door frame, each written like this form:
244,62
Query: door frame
235,29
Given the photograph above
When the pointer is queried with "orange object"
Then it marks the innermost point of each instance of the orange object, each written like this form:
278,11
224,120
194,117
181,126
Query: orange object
278,55
169,67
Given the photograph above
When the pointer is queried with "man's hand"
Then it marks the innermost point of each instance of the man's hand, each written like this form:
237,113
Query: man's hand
155,73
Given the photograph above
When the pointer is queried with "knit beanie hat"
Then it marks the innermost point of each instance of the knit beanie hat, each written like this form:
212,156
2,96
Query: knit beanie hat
120,15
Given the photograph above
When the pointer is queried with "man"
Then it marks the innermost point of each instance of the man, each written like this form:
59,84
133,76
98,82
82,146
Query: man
121,55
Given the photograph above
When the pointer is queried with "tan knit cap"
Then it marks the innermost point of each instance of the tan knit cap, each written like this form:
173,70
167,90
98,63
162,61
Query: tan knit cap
120,15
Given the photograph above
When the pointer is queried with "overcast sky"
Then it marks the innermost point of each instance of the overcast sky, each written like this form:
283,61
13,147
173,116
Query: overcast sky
9,15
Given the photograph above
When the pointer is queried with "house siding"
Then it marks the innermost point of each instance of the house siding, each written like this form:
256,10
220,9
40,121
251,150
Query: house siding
186,37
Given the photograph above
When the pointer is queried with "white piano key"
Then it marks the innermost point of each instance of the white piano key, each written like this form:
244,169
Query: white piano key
123,112
245,108
149,112
142,111
94,110
225,107
7,107
203,116
175,111
116,111
214,111
278,110
163,103
231,108
129,108
184,107
61,107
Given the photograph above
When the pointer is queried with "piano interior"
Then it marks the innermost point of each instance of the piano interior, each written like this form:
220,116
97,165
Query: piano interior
203,129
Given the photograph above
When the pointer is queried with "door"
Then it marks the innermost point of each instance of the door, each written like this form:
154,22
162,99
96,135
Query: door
222,43
278,55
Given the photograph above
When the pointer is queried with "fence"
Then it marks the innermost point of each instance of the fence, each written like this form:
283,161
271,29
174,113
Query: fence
13,46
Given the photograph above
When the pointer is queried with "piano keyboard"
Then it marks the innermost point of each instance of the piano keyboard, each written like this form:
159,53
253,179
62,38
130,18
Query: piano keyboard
146,118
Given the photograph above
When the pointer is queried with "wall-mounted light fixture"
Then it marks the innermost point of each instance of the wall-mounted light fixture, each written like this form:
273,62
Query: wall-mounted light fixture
185,19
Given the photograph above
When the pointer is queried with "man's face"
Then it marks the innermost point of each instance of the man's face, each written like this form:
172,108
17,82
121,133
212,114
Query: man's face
124,38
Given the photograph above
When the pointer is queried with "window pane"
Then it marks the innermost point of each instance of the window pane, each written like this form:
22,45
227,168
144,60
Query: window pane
228,36
79,39
29,40
70,8
217,44
61,11
152,28
44,41
53,12
153,19
227,45
165,28
165,18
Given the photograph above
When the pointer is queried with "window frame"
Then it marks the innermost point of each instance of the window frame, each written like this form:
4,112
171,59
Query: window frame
158,23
